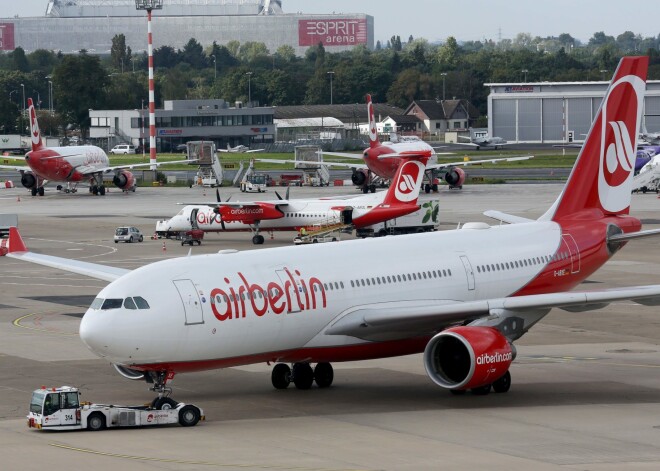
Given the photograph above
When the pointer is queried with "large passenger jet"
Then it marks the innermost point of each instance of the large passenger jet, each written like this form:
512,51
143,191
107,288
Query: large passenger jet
462,297
70,165
317,213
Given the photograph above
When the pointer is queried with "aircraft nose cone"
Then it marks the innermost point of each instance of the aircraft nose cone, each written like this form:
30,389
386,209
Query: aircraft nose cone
92,335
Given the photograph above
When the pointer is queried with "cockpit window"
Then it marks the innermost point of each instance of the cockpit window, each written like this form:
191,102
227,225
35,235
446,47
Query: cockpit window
111,303
97,303
141,302
129,304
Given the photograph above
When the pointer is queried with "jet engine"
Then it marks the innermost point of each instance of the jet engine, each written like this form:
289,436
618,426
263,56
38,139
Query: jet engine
359,177
28,180
467,357
129,373
455,177
124,180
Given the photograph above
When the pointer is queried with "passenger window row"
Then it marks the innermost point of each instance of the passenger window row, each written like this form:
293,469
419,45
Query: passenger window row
525,262
400,278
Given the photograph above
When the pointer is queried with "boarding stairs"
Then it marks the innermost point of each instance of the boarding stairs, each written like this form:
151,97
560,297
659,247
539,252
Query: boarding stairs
648,178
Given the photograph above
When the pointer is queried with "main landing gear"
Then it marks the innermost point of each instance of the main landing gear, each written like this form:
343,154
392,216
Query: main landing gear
302,375
501,385
257,239
97,189
37,191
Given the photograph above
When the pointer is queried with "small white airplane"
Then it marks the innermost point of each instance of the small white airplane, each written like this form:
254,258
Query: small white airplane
462,303
71,165
383,159
312,214
482,141
651,138
241,149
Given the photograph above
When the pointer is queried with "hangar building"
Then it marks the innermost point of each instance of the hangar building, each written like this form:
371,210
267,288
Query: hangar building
72,25
555,112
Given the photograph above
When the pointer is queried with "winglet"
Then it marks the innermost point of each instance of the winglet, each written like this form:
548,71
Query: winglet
16,243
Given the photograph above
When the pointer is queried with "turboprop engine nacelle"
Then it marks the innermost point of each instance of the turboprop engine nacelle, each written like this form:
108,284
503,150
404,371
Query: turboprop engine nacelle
467,357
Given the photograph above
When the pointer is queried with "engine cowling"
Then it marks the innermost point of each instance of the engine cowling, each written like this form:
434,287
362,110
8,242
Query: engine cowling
359,177
455,176
28,180
467,357
124,180
129,373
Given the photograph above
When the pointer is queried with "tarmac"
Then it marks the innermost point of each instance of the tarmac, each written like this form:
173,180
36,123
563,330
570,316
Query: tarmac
585,392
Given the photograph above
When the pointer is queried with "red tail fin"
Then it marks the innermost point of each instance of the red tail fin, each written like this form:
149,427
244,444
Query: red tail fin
35,134
407,182
602,176
373,130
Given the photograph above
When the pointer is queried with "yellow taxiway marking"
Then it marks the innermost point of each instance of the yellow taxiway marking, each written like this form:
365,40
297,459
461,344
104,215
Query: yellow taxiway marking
195,463
17,323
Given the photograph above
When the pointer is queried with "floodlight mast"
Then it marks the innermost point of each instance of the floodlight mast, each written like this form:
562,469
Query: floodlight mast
150,5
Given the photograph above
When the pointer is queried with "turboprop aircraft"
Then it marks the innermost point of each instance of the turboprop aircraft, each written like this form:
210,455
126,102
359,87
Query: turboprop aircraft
71,165
240,149
312,214
462,297
383,159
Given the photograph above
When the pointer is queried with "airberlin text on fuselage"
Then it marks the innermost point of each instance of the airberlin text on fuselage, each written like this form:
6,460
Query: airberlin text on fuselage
296,294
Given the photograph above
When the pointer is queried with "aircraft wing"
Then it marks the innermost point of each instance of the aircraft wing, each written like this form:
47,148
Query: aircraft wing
18,168
254,150
467,163
89,169
376,321
504,217
17,249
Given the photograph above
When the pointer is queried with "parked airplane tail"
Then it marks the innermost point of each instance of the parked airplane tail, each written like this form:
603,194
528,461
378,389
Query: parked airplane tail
602,177
35,134
373,130
407,182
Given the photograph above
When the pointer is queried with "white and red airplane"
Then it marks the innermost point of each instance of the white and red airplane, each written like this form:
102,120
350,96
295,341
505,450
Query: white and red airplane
318,213
70,165
462,303
240,149
383,159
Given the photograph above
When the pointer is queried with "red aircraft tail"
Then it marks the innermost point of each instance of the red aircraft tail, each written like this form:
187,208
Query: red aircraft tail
601,179
373,130
35,134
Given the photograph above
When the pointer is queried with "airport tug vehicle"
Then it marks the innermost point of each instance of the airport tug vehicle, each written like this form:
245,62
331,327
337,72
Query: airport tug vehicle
61,409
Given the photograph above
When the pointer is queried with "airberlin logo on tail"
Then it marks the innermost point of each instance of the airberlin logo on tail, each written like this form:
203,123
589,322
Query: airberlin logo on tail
410,178
373,132
619,126
34,126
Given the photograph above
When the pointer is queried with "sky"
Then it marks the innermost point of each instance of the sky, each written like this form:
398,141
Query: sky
466,20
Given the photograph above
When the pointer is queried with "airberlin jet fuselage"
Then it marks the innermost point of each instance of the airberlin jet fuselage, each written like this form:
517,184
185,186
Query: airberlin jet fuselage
226,309
60,163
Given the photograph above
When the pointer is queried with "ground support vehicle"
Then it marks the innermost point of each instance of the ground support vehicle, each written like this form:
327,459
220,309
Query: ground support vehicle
424,219
313,239
61,409
191,237
254,183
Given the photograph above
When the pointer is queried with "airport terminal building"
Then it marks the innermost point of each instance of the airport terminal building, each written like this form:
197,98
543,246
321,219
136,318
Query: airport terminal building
72,25
555,112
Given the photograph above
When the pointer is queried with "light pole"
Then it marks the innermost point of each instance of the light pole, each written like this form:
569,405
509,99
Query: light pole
133,61
444,76
50,97
150,5
215,69
331,74
38,98
23,108
524,71
249,76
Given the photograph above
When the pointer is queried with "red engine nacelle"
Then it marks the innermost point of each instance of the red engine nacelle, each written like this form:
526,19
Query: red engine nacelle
359,177
467,357
455,177
124,180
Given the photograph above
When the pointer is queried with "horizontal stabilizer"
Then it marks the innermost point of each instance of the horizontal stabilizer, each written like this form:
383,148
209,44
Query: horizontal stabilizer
504,217
633,235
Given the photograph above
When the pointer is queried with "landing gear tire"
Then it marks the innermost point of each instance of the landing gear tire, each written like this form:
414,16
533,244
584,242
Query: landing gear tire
303,375
258,240
481,391
102,190
503,384
95,190
365,189
427,188
96,422
41,191
323,375
189,416
281,376
164,403
372,188
434,187
59,188
33,191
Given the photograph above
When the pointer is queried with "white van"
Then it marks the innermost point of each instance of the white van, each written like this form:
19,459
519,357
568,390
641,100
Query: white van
123,149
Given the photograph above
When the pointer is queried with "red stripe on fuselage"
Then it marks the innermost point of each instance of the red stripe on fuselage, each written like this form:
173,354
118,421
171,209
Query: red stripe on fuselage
363,351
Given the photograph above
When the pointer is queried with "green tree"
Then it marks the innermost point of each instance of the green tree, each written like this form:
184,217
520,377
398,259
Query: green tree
77,81
166,57
448,53
120,55
20,62
252,50
193,54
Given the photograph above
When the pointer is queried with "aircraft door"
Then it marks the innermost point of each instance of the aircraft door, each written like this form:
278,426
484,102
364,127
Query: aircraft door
193,218
469,272
347,216
574,252
191,302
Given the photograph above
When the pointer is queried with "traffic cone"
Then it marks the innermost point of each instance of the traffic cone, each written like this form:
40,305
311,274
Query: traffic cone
164,248
18,198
